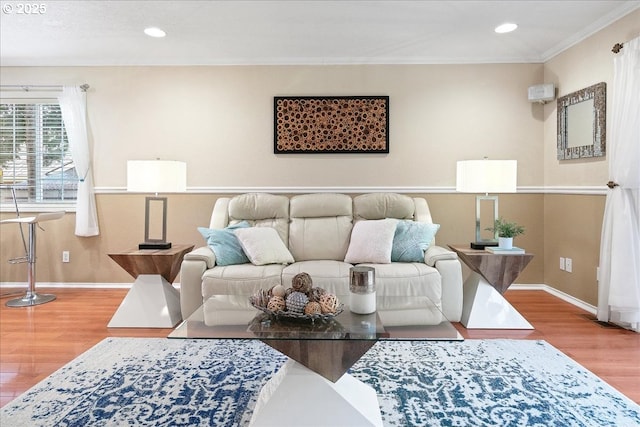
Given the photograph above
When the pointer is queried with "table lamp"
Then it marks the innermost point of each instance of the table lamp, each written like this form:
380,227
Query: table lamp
156,176
486,176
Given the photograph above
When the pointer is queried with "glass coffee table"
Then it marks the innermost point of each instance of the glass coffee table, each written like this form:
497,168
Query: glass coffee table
313,384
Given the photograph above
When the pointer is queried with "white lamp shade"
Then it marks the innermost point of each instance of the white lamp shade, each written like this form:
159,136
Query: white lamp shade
156,176
487,176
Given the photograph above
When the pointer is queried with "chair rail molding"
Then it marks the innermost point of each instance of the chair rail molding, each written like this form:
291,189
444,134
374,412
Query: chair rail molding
593,190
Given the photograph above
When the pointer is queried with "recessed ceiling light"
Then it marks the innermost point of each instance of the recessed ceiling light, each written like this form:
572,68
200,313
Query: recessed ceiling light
505,28
154,32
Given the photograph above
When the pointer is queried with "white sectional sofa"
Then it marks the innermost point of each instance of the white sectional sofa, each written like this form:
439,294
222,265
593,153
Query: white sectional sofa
317,231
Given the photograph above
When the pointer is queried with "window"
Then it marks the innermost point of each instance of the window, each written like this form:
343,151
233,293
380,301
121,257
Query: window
35,158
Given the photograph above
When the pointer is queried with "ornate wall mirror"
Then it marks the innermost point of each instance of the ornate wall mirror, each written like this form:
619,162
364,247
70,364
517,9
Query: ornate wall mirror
581,123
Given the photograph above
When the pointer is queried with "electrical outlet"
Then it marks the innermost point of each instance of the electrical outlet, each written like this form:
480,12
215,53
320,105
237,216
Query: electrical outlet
568,265
562,263
65,256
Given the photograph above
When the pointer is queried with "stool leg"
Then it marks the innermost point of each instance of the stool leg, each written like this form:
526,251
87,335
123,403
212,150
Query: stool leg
31,297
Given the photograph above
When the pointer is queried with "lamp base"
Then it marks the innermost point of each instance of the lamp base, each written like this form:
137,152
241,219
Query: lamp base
482,245
154,245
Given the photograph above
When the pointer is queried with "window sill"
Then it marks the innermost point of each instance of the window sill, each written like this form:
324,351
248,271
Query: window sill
38,207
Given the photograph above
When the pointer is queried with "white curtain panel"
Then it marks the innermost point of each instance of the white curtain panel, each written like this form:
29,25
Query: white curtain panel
74,113
619,286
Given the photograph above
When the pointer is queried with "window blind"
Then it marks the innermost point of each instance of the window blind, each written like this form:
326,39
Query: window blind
34,153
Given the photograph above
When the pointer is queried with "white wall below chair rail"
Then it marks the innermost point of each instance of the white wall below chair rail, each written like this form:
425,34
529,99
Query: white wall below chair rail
19,286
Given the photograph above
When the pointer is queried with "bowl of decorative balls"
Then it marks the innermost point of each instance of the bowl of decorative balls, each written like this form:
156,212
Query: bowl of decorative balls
301,301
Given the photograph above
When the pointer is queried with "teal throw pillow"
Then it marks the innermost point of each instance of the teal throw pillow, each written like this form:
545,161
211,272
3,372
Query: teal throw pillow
411,240
225,244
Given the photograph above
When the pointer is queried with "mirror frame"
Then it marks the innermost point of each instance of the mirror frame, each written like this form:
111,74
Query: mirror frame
598,93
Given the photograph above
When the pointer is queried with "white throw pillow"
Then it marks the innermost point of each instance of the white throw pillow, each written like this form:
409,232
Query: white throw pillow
263,245
371,241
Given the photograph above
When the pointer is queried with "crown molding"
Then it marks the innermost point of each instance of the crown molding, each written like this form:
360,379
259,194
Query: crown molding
604,21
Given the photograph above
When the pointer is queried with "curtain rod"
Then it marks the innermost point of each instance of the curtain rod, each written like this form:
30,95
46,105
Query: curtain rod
39,88
617,47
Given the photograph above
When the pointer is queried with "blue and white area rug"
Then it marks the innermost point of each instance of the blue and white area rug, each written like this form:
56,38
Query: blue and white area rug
163,382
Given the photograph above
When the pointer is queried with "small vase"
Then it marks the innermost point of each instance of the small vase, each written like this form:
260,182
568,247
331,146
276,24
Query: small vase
505,242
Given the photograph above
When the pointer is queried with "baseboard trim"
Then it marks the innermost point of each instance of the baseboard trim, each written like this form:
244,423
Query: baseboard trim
60,285
516,287
555,292
68,285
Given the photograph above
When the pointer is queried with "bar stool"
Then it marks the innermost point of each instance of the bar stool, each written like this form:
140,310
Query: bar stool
31,297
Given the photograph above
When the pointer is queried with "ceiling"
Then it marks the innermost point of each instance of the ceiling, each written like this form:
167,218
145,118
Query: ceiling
78,33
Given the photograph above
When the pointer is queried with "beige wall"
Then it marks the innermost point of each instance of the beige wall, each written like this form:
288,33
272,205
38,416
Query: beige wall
572,230
572,223
583,65
121,220
219,120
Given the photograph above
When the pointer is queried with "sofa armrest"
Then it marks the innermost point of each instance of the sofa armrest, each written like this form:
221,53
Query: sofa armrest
193,266
204,254
452,286
450,269
438,253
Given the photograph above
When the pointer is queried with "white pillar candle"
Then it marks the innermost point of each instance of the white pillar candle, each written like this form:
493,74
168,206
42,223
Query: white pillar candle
363,303
363,290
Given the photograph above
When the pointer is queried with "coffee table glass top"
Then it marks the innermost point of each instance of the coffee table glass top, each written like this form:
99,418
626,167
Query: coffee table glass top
395,318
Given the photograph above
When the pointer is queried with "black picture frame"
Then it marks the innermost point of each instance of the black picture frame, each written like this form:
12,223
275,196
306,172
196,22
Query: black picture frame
330,124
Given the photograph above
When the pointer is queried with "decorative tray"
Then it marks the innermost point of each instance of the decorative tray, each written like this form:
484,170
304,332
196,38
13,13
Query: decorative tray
296,316
302,301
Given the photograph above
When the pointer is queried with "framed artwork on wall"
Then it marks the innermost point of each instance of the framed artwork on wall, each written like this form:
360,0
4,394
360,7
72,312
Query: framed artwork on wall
331,124
582,123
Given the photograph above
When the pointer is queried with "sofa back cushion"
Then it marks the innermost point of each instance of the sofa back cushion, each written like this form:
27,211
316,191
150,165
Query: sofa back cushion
261,210
320,226
383,205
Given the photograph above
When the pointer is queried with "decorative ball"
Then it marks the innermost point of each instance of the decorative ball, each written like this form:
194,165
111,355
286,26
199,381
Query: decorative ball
276,303
288,292
278,291
315,293
296,302
328,303
302,282
312,307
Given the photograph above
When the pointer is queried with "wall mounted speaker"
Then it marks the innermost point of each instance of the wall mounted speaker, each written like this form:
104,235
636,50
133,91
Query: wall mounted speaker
542,93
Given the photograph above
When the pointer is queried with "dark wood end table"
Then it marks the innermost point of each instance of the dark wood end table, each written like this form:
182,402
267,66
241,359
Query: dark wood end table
152,302
483,305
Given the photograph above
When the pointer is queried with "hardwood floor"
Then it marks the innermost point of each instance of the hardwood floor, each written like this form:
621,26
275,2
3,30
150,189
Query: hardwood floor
36,341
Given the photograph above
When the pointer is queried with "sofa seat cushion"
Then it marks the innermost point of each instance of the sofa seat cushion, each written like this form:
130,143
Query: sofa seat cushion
408,279
409,312
228,310
241,279
331,275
